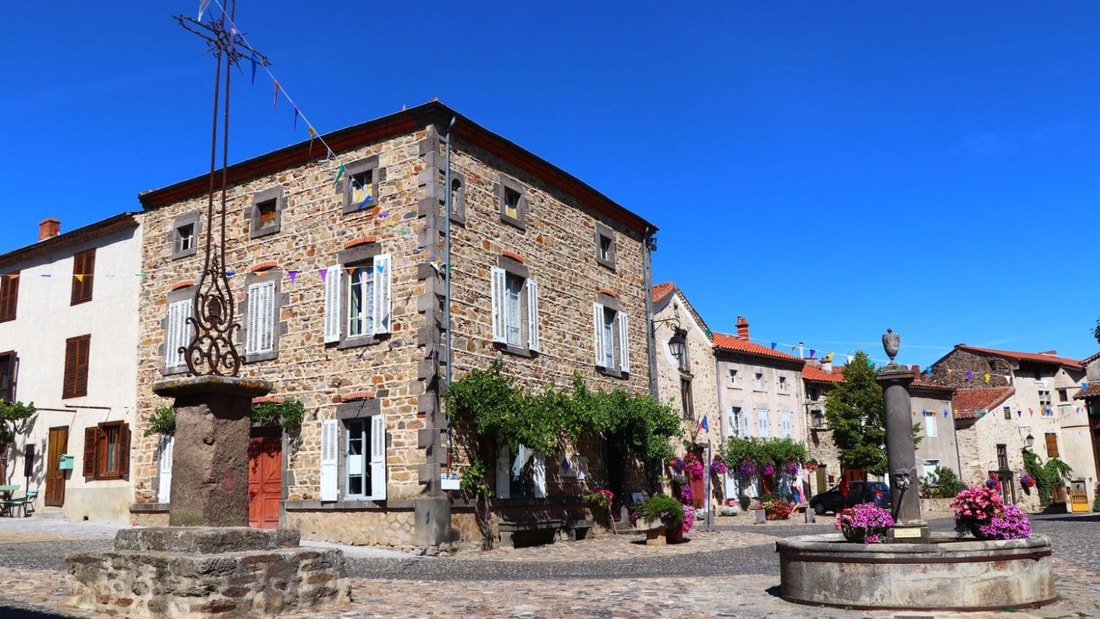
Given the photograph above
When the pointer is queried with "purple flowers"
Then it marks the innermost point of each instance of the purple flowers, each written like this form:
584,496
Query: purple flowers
1012,525
747,468
867,523
718,465
791,468
983,509
769,469
686,494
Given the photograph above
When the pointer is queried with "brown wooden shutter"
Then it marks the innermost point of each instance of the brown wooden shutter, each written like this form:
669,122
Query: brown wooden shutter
9,295
1052,445
84,267
124,450
76,367
91,436
68,381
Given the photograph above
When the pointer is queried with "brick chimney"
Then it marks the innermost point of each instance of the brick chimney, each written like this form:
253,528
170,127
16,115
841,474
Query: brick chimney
742,328
915,369
827,366
48,228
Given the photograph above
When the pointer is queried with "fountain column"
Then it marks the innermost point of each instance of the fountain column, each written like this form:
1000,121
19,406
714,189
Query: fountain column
901,456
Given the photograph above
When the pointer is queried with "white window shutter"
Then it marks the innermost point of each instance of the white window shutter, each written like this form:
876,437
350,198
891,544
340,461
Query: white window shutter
378,457
504,473
261,318
329,458
532,315
333,288
624,343
499,289
178,333
538,470
164,490
383,281
745,425
597,331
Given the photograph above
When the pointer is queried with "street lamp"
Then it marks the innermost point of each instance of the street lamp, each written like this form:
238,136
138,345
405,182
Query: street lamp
677,345
1029,441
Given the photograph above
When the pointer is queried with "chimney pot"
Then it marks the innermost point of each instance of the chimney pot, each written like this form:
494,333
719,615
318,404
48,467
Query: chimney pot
48,228
742,328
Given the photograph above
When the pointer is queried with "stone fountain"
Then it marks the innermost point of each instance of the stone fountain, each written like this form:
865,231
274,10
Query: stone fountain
916,569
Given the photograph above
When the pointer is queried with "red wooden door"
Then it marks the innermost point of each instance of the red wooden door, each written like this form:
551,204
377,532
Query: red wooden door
265,481
55,477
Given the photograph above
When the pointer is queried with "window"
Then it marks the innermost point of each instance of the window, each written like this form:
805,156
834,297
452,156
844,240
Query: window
1007,412
523,475
1063,395
758,380
361,185
813,394
1002,457
515,299
685,399
9,295
928,471
733,377
762,429
783,384
513,204
184,238
458,195
679,351
353,453
83,274
734,421
611,337
261,329
1052,444
930,429
357,297
76,367
7,376
605,246
787,423
177,331
266,212
107,451
1044,398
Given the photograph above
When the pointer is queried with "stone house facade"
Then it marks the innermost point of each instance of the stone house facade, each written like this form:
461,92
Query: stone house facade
685,375
818,378
760,391
68,324
339,284
1041,405
1090,396
931,411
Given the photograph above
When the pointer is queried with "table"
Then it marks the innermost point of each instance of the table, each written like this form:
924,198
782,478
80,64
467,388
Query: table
6,502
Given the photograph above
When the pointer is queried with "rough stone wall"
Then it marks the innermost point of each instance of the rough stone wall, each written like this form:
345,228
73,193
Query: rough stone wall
951,371
700,352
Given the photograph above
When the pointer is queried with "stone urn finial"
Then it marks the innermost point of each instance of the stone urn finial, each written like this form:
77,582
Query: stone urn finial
891,342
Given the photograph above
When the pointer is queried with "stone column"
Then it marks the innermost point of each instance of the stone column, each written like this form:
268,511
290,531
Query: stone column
901,454
210,459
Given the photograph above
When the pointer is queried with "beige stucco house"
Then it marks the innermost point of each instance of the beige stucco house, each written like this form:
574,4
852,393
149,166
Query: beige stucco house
339,268
68,329
931,411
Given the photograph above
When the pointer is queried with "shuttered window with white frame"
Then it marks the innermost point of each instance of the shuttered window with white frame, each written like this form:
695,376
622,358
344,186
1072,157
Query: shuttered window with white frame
260,329
611,337
165,448
358,299
515,312
177,335
329,460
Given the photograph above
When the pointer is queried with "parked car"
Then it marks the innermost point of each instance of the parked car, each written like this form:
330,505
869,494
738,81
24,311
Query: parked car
876,492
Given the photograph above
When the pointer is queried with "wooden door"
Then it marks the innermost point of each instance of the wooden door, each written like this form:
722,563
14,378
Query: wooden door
265,481
55,477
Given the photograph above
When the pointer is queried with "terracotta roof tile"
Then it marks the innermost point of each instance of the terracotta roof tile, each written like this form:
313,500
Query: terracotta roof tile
1092,391
662,290
1024,356
968,402
815,374
732,343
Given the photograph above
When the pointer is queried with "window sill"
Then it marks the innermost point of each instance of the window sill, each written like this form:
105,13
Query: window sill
610,264
358,341
172,371
262,356
352,209
612,372
256,233
519,351
367,505
518,223
184,254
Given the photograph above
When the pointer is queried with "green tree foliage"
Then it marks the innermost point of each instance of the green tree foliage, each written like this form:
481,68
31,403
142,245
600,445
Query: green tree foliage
777,451
13,416
857,417
1053,472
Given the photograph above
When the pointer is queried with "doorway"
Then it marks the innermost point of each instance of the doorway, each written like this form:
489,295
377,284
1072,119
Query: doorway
55,476
265,478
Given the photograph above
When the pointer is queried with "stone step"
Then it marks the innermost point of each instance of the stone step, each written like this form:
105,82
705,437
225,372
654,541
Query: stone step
49,513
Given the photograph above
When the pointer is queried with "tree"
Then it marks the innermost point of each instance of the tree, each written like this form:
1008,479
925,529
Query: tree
857,417
13,416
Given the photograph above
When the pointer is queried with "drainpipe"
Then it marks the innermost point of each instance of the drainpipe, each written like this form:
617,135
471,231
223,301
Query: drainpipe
650,245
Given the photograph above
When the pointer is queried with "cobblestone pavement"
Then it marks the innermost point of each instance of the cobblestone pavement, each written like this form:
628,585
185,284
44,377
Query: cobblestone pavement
731,571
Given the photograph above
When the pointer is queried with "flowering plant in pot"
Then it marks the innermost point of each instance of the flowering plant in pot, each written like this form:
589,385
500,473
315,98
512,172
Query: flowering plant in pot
659,508
718,465
1026,481
981,511
747,468
693,466
865,523
600,497
777,509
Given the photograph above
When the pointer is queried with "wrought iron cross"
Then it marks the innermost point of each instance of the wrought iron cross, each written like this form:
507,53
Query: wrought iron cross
211,351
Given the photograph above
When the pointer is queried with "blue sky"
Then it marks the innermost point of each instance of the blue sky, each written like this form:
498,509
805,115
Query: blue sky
826,169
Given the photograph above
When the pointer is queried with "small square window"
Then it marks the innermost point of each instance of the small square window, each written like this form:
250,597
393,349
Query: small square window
605,246
265,212
513,204
361,186
184,236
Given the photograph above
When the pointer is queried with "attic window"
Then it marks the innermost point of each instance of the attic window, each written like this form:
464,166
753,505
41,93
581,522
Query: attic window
605,246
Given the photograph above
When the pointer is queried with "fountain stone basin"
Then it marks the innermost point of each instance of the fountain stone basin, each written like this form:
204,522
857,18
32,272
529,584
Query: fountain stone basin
950,573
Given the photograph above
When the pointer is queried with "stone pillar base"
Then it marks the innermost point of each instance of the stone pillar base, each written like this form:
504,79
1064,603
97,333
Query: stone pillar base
187,572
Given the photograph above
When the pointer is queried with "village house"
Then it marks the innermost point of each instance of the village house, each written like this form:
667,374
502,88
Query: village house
68,329
760,390
931,414
1090,395
819,376
339,282
685,378
1006,401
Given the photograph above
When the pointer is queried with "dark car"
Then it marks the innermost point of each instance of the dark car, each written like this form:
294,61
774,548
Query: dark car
876,492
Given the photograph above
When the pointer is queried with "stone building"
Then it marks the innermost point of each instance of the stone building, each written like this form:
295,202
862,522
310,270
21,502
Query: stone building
760,390
339,286
685,379
1038,401
818,378
1090,395
68,326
